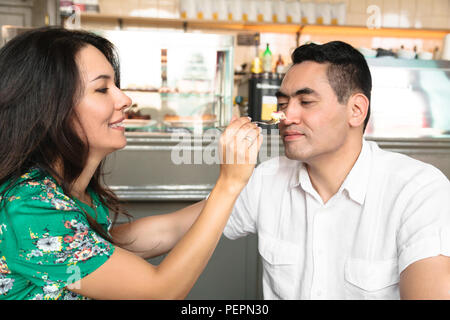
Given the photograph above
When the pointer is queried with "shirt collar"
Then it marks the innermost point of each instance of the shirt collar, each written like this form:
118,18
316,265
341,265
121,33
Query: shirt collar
295,179
355,183
301,178
358,178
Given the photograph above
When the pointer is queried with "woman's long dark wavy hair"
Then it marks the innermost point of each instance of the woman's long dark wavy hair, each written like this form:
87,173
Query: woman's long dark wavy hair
40,84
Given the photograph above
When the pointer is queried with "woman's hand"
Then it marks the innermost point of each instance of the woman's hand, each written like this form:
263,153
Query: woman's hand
239,146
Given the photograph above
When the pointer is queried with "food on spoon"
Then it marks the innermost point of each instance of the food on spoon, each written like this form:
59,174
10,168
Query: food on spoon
277,116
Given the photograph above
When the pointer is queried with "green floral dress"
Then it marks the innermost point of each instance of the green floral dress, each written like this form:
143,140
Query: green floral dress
45,239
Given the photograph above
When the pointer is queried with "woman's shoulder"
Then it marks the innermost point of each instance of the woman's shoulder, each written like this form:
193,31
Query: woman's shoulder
30,180
36,200
37,205
36,190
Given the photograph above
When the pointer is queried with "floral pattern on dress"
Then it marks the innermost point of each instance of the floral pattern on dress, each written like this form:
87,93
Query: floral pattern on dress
5,283
10,199
52,195
47,244
3,266
79,245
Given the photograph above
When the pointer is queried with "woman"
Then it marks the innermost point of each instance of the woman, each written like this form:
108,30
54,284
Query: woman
61,113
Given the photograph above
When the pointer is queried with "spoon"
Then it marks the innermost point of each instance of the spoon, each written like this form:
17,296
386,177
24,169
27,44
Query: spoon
276,117
270,122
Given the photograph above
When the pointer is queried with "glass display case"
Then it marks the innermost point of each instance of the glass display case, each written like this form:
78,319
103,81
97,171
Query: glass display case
410,98
179,82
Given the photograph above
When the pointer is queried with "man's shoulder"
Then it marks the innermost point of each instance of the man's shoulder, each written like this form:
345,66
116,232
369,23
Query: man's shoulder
403,167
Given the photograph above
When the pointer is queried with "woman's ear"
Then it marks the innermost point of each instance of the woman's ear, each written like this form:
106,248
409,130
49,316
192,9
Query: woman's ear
359,105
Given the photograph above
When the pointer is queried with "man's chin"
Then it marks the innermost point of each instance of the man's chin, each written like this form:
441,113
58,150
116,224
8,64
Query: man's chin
295,156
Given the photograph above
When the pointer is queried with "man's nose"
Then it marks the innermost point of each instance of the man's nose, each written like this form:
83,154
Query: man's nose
292,114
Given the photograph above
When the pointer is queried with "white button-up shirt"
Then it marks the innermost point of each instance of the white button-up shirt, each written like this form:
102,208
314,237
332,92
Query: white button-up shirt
390,211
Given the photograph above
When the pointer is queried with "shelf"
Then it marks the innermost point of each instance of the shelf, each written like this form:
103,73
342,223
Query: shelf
174,93
140,90
188,24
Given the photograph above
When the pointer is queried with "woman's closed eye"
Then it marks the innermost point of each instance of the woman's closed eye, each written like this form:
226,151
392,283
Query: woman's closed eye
102,90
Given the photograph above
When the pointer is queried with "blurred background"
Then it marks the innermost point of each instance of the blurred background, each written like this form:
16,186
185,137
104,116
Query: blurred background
189,65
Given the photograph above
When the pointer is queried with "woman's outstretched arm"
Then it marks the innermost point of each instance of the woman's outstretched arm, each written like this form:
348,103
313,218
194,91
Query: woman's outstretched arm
127,276
155,235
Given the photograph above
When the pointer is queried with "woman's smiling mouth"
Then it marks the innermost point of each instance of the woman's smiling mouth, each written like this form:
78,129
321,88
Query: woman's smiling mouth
118,125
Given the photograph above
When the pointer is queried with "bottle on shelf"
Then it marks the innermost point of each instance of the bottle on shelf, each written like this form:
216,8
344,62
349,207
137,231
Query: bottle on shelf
279,66
436,55
256,65
267,60
164,86
65,8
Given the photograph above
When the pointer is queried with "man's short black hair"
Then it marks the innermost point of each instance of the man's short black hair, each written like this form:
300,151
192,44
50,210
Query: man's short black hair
348,72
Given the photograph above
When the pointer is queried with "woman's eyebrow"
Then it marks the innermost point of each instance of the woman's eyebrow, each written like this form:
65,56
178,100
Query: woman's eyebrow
102,76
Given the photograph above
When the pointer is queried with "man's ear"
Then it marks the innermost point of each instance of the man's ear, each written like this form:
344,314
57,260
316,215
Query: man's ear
358,107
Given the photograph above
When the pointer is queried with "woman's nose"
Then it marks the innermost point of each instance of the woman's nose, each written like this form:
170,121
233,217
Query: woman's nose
124,101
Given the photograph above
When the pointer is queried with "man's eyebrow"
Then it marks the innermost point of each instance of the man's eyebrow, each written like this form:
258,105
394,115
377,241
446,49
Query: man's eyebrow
280,94
102,76
305,91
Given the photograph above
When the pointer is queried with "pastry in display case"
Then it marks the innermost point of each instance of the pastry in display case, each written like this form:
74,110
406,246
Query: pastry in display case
180,82
136,121
174,123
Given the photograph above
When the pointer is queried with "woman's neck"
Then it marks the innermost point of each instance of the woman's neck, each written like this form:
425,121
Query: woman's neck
79,187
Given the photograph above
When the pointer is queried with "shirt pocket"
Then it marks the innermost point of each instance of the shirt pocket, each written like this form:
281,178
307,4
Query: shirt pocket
368,280
280,267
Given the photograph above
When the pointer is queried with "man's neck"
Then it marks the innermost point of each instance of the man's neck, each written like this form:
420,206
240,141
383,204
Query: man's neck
327,173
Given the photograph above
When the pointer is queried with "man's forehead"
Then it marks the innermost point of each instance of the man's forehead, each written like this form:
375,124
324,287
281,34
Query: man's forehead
306,74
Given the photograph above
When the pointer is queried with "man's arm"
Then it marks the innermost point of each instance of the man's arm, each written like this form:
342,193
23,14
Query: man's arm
426,279
155,235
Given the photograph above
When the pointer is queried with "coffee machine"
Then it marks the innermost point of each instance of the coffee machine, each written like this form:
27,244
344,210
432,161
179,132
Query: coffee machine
262,101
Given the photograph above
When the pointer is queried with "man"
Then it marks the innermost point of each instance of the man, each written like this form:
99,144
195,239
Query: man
337,217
